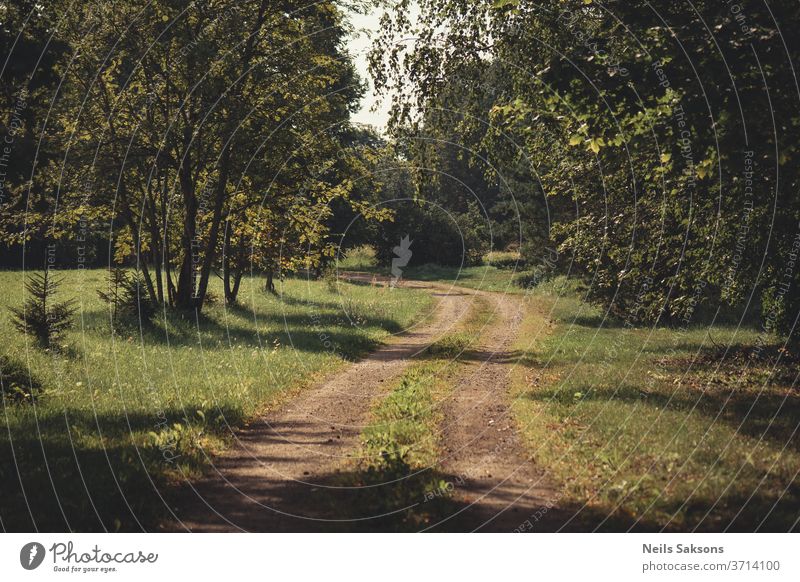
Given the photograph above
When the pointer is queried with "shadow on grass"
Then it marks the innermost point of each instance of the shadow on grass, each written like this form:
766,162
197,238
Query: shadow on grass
769,415
456,350
309,333
402,500
120,487
398,500
701,318
83,472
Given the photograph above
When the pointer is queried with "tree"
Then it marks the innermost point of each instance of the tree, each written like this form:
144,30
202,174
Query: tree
176,123
40,316
29,78
125,298
668,129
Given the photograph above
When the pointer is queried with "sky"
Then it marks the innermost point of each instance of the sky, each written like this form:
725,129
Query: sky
359,45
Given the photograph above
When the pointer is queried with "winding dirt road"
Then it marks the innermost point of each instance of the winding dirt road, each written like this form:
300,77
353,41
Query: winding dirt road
270,479
262,483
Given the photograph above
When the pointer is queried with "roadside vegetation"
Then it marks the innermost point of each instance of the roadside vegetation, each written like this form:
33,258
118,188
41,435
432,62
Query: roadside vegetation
502,271
96,428
658,428
361,258
482,277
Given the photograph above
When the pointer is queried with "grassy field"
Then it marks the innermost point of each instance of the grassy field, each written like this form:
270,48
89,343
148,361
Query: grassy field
658,428
121,416
665,428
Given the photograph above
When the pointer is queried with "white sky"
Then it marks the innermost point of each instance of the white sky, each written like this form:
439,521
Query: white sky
359,46
360,43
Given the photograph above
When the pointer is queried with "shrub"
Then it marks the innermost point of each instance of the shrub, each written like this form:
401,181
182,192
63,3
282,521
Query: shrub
16,382
125,298
504,260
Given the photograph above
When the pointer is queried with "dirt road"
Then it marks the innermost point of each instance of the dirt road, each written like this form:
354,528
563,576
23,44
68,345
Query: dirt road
499,488
271,479
261,483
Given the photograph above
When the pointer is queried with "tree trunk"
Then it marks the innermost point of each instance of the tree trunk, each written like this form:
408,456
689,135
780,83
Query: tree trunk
269,284
216,220
141,262
185,297
232,290
166,255
155,245
231,280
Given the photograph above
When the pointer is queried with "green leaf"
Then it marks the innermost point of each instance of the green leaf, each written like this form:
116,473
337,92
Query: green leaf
595,143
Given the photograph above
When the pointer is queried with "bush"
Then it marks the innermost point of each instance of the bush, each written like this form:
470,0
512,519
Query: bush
39,316
16,382
504,260
358,259
125,298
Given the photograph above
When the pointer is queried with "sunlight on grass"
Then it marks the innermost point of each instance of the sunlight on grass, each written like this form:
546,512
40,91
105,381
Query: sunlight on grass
358,259
149,403
653,427
482,277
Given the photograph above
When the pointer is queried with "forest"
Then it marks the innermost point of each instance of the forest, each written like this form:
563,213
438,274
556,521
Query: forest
194,231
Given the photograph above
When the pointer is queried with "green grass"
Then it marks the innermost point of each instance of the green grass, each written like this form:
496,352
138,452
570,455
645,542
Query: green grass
509,259
358,259
121,417
653,428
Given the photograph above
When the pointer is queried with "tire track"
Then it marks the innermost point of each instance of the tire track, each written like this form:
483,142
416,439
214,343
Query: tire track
500,487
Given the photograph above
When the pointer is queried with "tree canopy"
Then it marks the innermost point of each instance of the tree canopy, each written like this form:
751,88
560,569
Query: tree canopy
193,137
657,141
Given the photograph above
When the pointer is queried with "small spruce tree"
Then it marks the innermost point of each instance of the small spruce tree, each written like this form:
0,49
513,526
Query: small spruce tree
116,280
41,316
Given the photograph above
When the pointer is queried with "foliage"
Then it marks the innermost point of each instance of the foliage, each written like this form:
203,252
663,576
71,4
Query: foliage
438,235
657,141
213,136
